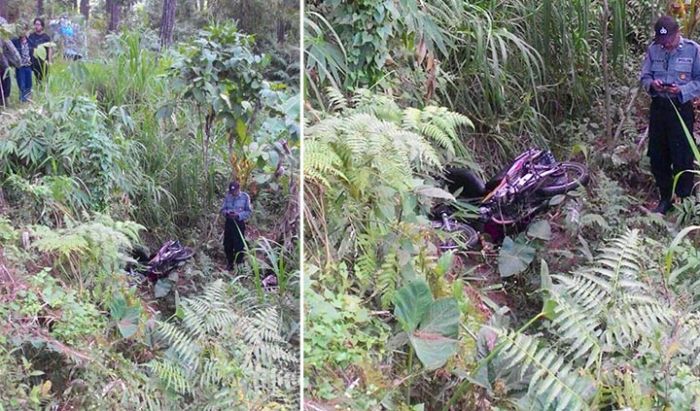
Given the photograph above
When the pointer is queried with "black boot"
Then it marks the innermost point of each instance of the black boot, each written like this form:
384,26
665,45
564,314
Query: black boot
663,207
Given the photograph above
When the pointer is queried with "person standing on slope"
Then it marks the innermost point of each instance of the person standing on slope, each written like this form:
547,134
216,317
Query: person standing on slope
39,64
9,56
671,75
236,210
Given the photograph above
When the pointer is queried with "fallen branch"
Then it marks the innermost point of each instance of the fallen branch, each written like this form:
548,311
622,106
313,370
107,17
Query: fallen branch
624,114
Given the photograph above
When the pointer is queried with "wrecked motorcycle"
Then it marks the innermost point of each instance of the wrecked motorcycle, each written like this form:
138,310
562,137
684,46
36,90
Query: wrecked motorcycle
511,198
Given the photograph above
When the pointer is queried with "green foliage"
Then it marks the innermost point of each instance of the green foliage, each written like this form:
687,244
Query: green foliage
361,158
431,325
365,168
267,257
219,72
222,74
83,250
7,32
366,27
108,140
604,317
226,356
603,214
71,142
325,55
553,384
614,334
514,257
126,317
340,332
517,68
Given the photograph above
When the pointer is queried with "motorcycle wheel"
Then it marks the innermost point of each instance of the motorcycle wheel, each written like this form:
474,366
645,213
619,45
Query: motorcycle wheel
573,175
468,235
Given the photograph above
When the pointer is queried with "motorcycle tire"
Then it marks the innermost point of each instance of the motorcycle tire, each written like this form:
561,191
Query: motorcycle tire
468,233
576,175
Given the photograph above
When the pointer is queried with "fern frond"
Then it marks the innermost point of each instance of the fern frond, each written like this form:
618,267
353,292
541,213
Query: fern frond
172,375
387,281
554,383
576,329
337,100
180,342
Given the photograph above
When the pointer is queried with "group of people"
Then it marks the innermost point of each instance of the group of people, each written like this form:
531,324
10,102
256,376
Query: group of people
21,54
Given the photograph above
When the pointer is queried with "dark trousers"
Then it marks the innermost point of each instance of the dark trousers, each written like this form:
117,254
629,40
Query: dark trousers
39,68
24,82
6,86
669,149
234,241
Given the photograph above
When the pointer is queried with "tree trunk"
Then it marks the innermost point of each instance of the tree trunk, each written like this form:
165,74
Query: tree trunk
39,7
606,72
85,8
281,30
167,23
114,11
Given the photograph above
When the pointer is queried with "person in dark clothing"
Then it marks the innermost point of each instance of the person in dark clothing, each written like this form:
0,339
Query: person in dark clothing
8,57
671,75
24,71
39,37
236,209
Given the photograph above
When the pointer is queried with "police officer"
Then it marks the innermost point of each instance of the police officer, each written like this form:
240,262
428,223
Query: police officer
671,75
236,209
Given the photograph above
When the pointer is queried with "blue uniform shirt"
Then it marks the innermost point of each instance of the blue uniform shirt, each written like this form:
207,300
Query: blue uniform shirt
680,66
239,204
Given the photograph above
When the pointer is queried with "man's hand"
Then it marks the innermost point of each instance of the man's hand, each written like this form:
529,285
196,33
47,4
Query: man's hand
657,85
673,89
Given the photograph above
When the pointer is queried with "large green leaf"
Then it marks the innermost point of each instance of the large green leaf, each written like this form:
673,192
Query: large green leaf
163,287
514,257
540,229
7,31
442,318
42,51
126,317
435,340
433,350
432,326
411,303
434,192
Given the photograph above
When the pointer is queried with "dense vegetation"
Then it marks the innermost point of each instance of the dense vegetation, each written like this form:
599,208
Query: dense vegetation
594,306
127,149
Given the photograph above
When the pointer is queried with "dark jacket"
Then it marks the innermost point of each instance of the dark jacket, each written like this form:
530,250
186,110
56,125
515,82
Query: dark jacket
35,40
18,46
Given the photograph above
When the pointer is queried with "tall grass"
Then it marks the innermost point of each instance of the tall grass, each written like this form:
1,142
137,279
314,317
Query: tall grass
163,180
516,67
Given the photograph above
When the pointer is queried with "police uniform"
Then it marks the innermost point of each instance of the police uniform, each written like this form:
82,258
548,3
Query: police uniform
669,149
234,230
